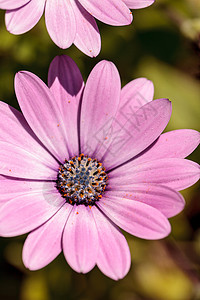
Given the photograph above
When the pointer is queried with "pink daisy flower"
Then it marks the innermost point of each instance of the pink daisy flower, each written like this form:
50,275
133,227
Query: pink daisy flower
81,161
70,21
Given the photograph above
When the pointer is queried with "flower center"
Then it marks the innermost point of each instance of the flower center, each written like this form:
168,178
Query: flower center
81,180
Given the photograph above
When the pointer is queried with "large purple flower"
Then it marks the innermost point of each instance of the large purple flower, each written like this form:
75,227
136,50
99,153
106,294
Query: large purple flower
81,161
70,21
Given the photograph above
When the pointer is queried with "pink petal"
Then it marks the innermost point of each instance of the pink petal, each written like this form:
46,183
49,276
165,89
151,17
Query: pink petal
80,239
134,95
26,212
17,162
87,38
137,218
164,199
113,12
25,18
43,245
175,173
60,22
114,257
66,84
22,136
173,144
19,187
34,96
99,106
138,133
135,4
12,4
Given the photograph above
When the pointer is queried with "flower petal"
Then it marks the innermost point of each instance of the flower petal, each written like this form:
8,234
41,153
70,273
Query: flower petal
134,95
26,212
60,22
66,84
164,199
14,187
17,162
114,257
87,38
43,245
80,239
138,133
176,173
99,106
42,113
23,19
173,144
137,218
112,12
135,4
12,4
22,136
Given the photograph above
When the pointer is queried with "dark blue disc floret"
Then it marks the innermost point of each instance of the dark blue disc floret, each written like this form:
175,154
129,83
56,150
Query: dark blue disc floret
81,180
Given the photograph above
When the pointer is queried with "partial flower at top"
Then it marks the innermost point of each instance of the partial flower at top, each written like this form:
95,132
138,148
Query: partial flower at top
70,21
80,161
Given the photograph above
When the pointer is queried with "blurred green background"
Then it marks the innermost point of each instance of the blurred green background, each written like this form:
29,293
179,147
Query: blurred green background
162,44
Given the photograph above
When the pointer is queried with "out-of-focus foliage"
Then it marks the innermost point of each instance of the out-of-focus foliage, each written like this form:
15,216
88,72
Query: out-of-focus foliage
163,44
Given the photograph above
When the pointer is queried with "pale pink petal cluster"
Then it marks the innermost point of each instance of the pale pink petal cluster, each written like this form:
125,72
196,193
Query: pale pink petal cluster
70,21
122,129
